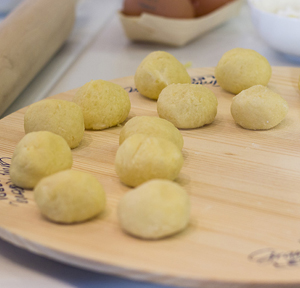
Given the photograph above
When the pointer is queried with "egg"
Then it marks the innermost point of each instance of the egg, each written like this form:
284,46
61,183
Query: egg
166,8
172,8
203,7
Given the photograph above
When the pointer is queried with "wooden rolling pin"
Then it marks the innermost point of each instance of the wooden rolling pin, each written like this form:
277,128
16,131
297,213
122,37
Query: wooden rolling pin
30,36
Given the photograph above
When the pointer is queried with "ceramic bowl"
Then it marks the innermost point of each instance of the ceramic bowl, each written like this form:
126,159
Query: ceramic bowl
278,23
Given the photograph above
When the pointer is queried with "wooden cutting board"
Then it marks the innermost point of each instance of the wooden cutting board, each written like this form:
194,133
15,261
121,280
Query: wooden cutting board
244,188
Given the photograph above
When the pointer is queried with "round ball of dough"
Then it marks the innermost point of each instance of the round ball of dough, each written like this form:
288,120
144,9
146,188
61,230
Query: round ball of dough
187,105
240,68
61,117
158,70
104,104
258,108
156,209
70,196
152,126
37,155
141,158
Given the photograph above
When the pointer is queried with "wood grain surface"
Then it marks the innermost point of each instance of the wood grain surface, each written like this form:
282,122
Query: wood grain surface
244,228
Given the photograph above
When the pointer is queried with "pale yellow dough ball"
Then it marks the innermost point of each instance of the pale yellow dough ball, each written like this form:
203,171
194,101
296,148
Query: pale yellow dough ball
156,209
104,104
37,155
152,126
141,158
70,196
239,69
158,70
258,108
187,105
61,117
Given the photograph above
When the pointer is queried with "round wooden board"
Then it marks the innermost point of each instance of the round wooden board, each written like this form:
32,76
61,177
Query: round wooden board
244,229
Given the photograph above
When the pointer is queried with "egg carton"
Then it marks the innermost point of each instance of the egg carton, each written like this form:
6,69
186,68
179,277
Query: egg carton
175,32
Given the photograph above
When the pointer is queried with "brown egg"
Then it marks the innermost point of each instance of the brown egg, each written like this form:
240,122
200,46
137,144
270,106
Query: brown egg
203,7
166,8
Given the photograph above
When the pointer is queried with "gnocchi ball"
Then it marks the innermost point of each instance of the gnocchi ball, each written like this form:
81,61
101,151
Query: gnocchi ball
158,70
153,126
187,105
258,108
58,116
70,196
155,209
104,104
37,155
141,158
239,69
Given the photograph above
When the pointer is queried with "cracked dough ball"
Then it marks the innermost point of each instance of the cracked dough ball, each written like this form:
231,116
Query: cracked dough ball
158,70
58,116
187,105
258,108
141,158
37,155
152,126
104,104
240,68
156,209
70,196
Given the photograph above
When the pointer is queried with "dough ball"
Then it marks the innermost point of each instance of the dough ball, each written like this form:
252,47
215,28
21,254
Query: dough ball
152,126
258,108
158,70
187,105
104,104
70,196
58,116
154,210
37,155
241,68
141,158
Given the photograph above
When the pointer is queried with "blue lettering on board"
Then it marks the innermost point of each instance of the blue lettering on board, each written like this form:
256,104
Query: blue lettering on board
17,192
203,80
277,259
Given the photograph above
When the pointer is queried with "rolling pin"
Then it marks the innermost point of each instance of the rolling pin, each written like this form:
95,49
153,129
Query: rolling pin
30,35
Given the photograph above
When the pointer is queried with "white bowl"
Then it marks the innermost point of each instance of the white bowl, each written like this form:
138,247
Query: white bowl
281,32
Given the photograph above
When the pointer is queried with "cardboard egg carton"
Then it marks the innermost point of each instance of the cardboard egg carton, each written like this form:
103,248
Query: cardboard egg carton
176,32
